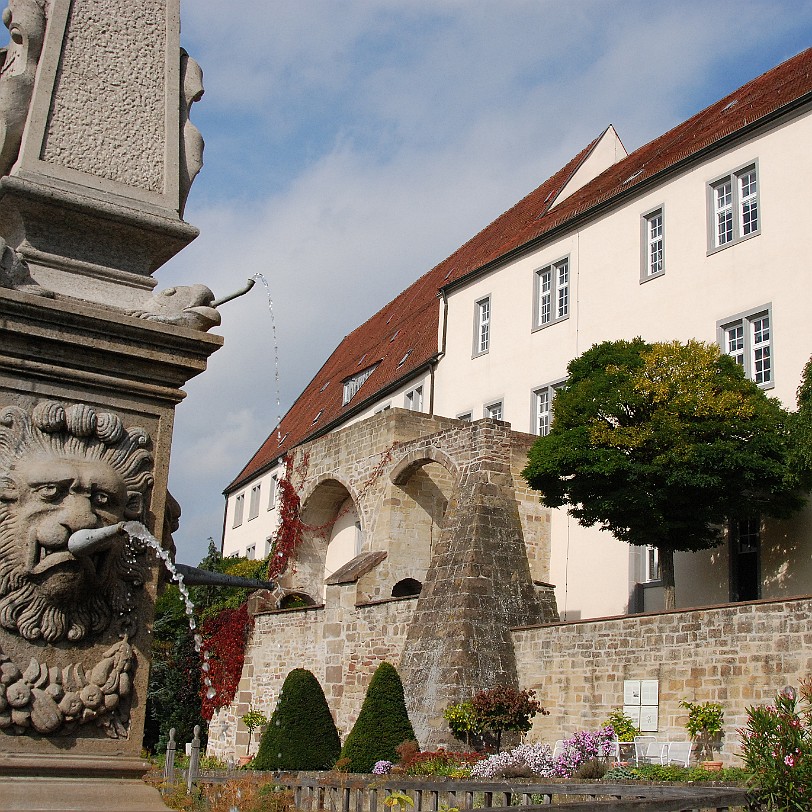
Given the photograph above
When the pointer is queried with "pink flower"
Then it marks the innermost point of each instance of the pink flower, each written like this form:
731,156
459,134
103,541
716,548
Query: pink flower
789,761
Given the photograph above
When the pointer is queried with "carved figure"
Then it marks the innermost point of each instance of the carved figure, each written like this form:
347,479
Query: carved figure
14,272
186,306
25,20
191,141
69,476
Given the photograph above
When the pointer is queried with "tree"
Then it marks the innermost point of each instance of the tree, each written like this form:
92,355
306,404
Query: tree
661,445
382,724
505,708
301,734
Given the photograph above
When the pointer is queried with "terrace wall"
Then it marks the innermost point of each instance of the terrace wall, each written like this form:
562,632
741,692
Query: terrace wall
738,655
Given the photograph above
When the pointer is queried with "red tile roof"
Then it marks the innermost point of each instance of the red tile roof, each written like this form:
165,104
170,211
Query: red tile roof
409,323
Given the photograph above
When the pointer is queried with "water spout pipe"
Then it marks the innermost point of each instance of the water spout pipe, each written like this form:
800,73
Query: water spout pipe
193,576
91,540
236,294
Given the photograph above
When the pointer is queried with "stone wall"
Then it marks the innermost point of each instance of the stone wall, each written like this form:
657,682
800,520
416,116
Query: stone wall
737,655
440,502
342,645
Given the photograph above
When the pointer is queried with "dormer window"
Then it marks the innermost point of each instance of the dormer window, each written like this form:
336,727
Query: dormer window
353,384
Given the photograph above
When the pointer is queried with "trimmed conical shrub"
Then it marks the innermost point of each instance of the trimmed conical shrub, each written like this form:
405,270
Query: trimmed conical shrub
301,734
382,724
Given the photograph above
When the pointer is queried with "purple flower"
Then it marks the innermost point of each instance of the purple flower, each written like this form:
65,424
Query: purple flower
382,768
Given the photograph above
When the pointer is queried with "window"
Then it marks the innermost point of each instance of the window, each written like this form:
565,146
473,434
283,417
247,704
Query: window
239,504
552,293
384,408
653,245
652,562
251,552
543,408
482,326
494,410
352,385
272,495
733,207
414,399
467,416
253,504
747,338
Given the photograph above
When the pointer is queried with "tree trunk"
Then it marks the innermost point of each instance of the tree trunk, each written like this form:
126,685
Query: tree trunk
667,575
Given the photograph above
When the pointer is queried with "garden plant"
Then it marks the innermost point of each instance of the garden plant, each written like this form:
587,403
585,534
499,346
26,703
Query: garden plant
504,708
382,724
777,750
301,734
704,725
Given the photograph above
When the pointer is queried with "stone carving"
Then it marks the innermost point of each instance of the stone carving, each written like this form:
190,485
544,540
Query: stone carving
185,306
191,141
55,701
69,478
25,20
14,272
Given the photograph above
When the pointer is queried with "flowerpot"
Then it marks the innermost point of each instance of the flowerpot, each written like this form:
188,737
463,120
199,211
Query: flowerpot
712,766
244,760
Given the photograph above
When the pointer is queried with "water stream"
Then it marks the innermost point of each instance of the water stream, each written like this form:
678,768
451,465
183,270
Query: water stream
137,531
264,281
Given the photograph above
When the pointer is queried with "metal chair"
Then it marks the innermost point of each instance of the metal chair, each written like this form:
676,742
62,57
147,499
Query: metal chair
679,753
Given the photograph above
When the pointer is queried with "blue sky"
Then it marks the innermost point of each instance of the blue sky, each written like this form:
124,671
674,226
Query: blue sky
351,145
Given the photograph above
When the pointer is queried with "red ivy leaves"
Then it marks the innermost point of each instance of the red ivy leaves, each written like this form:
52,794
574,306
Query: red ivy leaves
224,636
290,529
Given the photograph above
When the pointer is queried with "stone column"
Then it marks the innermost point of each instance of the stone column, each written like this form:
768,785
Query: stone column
96,157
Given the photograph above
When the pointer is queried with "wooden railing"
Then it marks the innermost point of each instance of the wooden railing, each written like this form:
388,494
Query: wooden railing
337,792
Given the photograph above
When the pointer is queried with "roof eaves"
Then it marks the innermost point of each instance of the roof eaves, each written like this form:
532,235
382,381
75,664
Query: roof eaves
584,215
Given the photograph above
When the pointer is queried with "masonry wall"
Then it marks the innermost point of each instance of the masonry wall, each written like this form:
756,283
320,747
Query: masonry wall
342,646
737,655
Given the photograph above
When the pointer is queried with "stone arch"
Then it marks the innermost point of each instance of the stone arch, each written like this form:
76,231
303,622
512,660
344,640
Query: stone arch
332,517
420,487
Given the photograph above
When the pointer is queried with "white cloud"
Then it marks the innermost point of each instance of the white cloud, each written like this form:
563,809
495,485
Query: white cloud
352,145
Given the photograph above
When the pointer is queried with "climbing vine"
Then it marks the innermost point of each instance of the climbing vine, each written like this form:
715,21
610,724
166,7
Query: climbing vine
291,528
223,651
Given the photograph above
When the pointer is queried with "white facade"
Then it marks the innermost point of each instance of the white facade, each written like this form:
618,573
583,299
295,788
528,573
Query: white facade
712,249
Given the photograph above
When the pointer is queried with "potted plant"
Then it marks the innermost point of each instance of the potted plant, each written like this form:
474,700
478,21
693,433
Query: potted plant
704,725
252,720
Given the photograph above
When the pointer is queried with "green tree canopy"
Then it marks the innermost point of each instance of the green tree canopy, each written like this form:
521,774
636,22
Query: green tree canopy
661,444
301,734
382,724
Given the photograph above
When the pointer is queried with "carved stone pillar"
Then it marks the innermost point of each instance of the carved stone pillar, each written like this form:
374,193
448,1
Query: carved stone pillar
96,157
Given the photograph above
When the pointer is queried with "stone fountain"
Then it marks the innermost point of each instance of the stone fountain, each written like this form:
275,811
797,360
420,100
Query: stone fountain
97,155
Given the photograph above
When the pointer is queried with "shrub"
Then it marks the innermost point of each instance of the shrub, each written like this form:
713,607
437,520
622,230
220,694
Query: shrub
621,774
301,734
777,750
463,721
704,724
382,724
441,762
590,770
505,708
535,759
624,727
582,746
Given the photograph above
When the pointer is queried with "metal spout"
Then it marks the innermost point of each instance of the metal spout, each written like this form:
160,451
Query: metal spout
91,540
236,294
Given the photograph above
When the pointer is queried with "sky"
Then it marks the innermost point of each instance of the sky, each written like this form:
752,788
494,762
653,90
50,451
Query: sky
351,145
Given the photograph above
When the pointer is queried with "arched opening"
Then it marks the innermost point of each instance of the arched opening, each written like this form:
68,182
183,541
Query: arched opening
406,588
421,490
296,600
332,537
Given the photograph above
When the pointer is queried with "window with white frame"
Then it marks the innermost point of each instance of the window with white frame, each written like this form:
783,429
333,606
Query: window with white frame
253,504
543,408
414,399
467,416
653,244
747,338
239,506
482,326
494,410
552,293
733,207
652,564
251,552
352,385
272,495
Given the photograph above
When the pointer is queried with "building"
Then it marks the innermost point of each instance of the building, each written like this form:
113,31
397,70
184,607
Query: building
697,234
